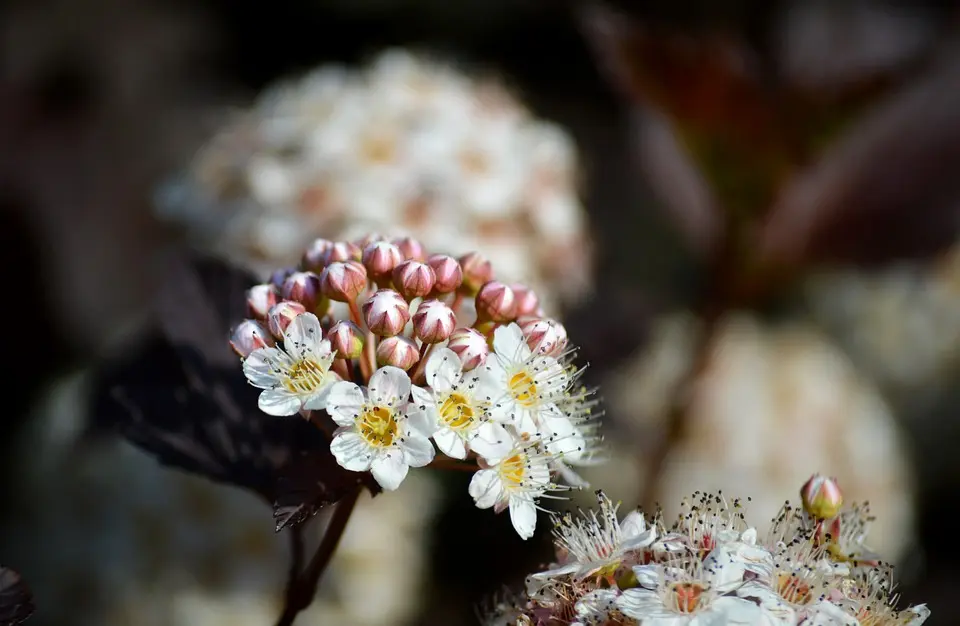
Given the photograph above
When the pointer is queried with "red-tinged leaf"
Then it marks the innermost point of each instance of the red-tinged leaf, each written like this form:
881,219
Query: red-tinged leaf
16,601
888,191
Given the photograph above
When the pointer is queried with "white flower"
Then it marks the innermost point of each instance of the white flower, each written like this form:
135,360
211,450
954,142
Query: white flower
596,607
375,432
596,544
515,482
684,595
523,388
736,558
825,613
297,376
457,419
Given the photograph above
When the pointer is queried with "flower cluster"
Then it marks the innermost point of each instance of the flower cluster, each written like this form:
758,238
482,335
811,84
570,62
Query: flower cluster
710,567
370,335
406,145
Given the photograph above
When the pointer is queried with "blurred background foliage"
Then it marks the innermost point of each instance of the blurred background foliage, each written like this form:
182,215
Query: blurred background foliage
777,180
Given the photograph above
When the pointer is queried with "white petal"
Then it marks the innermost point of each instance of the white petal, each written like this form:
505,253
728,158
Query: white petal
491,441
648,576
749,536
389,470
390,386
639,603
510,344
450,443
779,612
444,370
825,613
303,335
633,525
344,403
562,438
422,412
351,451
524,419
734,610
417,450
523,514
318,399
261,365
278,402
486,488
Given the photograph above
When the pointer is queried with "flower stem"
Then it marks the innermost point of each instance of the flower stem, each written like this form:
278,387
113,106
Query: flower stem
368,360
303,587
424,353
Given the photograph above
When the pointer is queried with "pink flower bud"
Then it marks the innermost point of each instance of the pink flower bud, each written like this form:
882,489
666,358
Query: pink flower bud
386,313
280,275
313,256
821,497
341,251
398,351
477,271
470,346
380,258
281,315
304,287
413,279
259,300
250,335
544,336
528,303
343,281
496,303
410,248
434,321
346,339
447,271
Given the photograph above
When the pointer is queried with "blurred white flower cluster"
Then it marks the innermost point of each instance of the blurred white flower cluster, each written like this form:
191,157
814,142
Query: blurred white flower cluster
766,404
396,365
111,538
901,325
711,567
405,145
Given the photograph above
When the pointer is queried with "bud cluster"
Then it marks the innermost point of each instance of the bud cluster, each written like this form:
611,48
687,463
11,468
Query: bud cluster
710,566
392,346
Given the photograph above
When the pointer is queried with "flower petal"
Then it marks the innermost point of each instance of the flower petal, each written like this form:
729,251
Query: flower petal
491,441
260,367
389,386
486,489
510,344
389,469
351,451
422,412
417,450
303,335
523,514
345,403
444,370
279,402
318,399
639,603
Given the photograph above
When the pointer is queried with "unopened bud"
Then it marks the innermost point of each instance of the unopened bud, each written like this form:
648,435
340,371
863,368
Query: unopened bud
368,239
528,303
304,287
346,339
496,302
281,315
544,336
398,351
448,272
341,251
280,275
434,321
343,281
380,258
410,248
477,271
250,335
470,346
386,313
413,279
314,254
821,497
260,298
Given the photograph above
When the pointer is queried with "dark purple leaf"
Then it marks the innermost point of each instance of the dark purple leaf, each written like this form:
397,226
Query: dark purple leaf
16,601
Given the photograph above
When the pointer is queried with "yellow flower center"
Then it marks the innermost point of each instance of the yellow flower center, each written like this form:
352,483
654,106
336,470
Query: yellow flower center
456,411
686,596
305,376
377,426
523,388
513,470
792,589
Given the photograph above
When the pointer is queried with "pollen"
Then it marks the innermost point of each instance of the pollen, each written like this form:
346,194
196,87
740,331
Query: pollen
305,376
513,470
378,426
456,412
523,388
